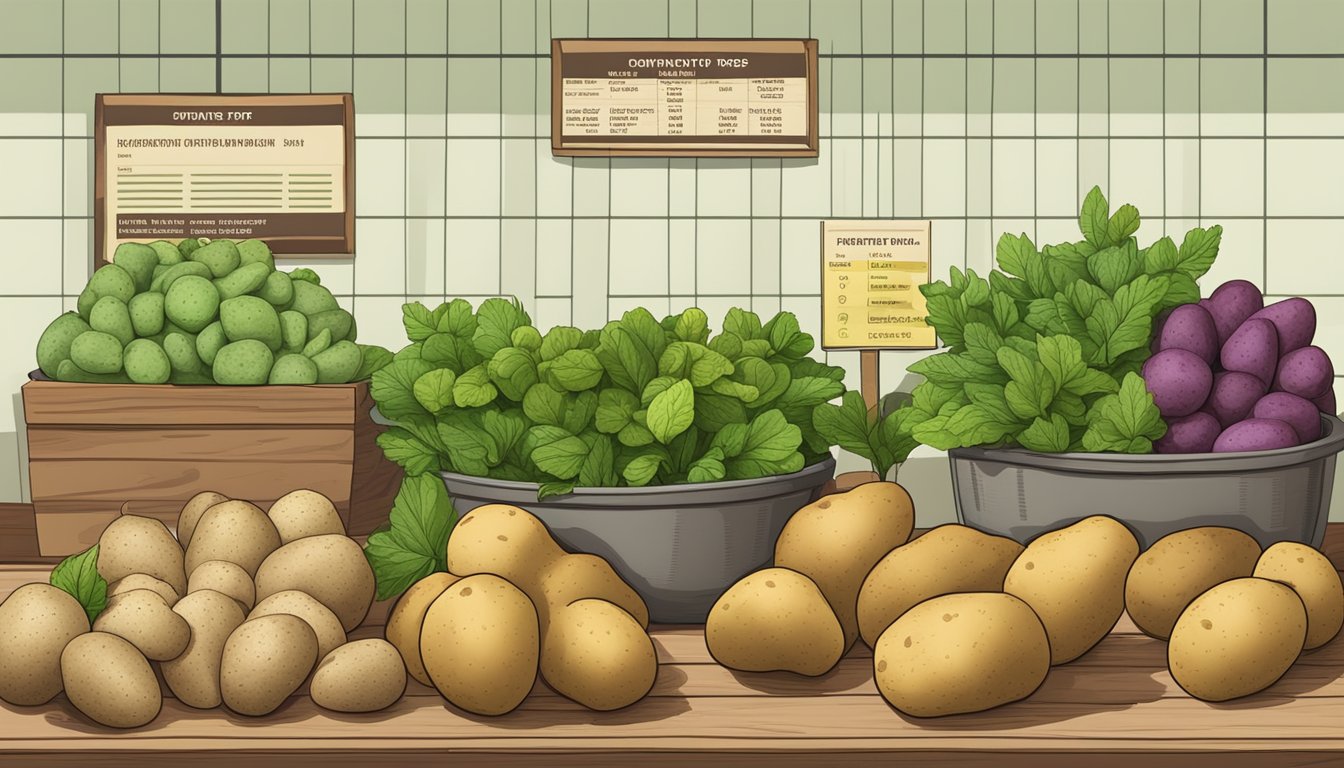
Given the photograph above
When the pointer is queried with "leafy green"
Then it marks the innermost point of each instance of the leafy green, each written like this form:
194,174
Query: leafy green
853,428
78,575
415,542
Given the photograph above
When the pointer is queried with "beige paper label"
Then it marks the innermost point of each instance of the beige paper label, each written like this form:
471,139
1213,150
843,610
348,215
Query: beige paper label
871,273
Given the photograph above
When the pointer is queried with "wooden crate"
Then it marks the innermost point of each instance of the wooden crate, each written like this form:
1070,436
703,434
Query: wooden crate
93,448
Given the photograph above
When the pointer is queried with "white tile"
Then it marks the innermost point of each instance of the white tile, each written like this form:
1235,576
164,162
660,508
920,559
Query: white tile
1057,231
1057,124
473,177
1232,177
1014,123
1231,123
638,257
800,255
681,242
1304,177
380,256
337,275
723,188
18,342
945,124
552,312
30,245
808,311
518,259
592,186
1241,252
518,170
944,177
425,255
879,196
371,124
977,181
472,265
555,181
1135,124
765,256
553,257
766,187
848,169
723,256
1093,167
78,255
38,163
908,167
1056,177
682,189
658,307
590,273
1136,175
1297,250
78,177
1014,177
639,187
980,239
426,168
380,177
807,184
379,321
1182,177
949,248
1305,123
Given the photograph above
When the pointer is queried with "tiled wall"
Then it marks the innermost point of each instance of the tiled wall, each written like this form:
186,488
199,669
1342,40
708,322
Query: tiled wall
983,116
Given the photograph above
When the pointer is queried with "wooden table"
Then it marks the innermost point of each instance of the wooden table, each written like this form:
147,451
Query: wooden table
1116,706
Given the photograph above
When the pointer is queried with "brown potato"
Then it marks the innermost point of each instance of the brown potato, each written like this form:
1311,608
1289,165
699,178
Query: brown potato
36,622
144,581
236,531
403,623
331,568
265,660
775,619
193,677
226,578
142,618
361,676
1314,578
133,544
1181,566
304,513
330,634
575,577
503,540
948,559
191,513
110,681
596,653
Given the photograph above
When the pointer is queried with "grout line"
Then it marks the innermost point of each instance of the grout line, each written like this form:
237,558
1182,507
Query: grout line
1164,121
830,55
499,236
406,156
219,44
1264,151
903,137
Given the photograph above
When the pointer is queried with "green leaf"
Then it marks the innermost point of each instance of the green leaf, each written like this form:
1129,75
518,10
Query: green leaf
727,344
1198,251
1066,264
550,490
729,388
457,319
506,428
556,451
402,447
692,325
845,425
628,359
78,576
496,321
579,411
786,339
655,388
1124,323
527,338
953,369
599,466
449,351
434,390
641,467
544,405
696,362
471,449
672,411
770,438
1125,422
560,340
393,388
416,541
372,359
1094,219
575,371
1124,222
473,388
1062,358
808,367
982,343
1160,257
634,435
1115,266
975,425
708,468
745,324
713,412
992,400
513,370
614,410
418,321
1044,436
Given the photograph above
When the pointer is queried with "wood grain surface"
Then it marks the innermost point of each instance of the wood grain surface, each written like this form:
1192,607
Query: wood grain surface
57,402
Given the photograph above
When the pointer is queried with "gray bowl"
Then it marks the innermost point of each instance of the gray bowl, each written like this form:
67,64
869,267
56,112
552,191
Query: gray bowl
679,546
1279,495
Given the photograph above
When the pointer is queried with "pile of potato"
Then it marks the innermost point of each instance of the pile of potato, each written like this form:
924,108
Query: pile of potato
513,605
241,608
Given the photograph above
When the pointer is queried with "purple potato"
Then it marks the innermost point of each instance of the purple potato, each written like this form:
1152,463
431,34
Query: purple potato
1298,413
1158,323
1234,395
1305,372
1255,435
1295,321
1326,402
1189,434
1190,327
1253,348
1231,304
1179,381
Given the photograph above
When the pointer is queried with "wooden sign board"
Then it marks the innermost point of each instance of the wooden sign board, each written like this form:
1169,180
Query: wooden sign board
684,98
870,276
278,168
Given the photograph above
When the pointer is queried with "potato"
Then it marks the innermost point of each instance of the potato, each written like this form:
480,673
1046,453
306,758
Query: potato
110,681
304,513
574,577
1297,412
1236,639
1231,304
144,581
403,623
226,578
193,677
1179,381
1306,372
265,660
192,511
324,623
1181,566
961,653
1195,433
1295,321
1253,348
133,544
1074,579
1234,395
1255,435
1190,327
236,531
775,619
363,676
147,622
331,568
36,622
1326,402
836,541
947,559
597,654
503,540
480,644
1314,578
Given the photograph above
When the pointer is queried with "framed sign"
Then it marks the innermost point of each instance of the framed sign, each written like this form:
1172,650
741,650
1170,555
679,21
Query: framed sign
684,98
870,276
275,168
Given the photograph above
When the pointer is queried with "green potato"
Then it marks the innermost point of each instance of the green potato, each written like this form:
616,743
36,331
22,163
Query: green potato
146,362
293,369
256,252
242,280
54,344
338,363
68,371
111,316
139,260
278,290
311,299
250,317
96,352
246,362
221,256
192,302
167,253
146,310
210,341
294,329
165,281
112,280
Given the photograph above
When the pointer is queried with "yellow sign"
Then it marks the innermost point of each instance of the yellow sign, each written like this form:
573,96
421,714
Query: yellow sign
871,273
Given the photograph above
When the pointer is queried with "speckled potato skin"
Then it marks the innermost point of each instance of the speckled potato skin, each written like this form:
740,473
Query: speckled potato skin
145,581
193,677
331,568
111,682
236,531
503,540
775,620
191,513
1314,578
36,622
226,578
480,644
577,577
1236,639
961,653
403,622
133,544
265,660
362,676
1074,579
330,634
143,619
1181,566
304,513
948,559
594,652
836,541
